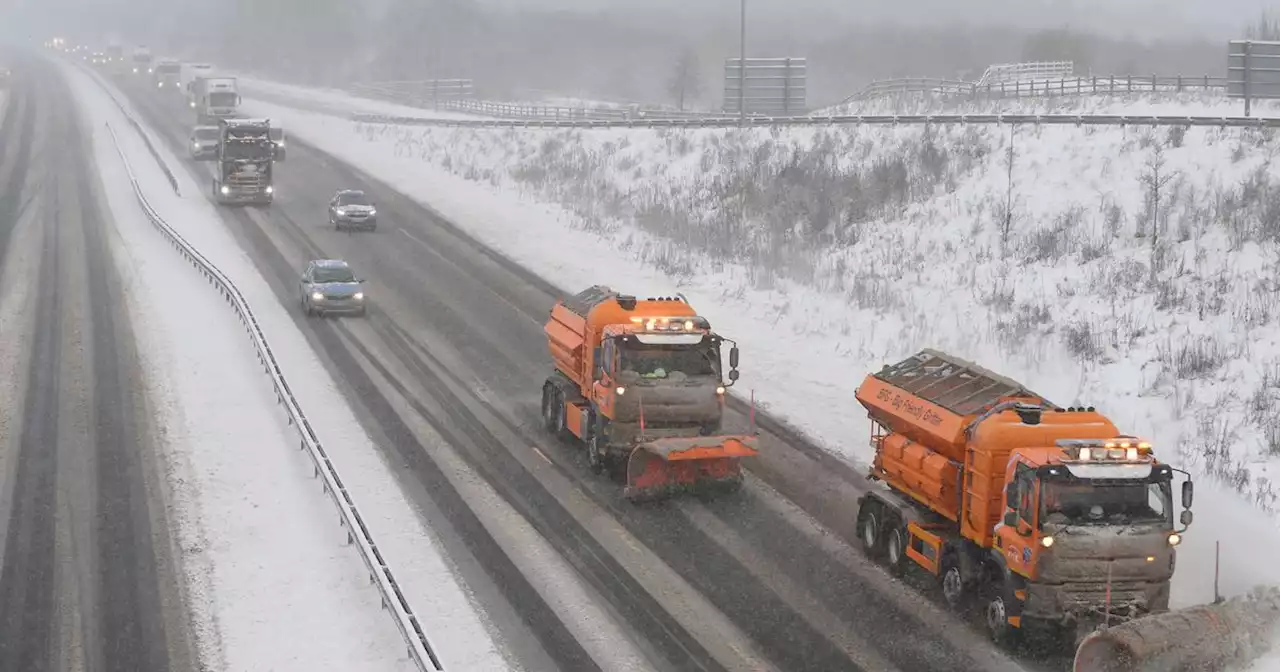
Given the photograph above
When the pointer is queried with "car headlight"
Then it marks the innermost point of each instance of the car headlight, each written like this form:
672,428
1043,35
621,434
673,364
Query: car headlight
373,211
225,190
317,296
358,296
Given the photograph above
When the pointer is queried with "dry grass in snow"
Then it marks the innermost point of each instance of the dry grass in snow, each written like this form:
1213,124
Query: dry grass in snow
1133,269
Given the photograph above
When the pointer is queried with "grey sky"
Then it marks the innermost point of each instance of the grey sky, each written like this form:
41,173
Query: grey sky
1142,18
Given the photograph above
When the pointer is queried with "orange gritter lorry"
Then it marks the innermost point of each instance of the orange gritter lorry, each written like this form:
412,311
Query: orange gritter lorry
1047,518
639,383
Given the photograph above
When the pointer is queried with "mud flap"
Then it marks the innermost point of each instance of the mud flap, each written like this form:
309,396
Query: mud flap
665,467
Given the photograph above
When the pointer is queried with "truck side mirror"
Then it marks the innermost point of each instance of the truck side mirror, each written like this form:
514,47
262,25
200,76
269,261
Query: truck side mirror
1011,518
1188,493
1186,518
733,375
733,357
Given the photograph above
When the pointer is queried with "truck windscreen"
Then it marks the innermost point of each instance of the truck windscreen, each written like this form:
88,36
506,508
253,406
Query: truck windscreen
222,99
1101,503
249,151
660,361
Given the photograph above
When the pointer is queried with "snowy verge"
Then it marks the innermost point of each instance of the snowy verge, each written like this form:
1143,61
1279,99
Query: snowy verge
334,101
445,609
1057,303
269,580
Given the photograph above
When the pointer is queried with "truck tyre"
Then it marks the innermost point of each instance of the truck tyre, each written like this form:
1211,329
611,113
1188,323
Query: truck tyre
895,544
870,528
955,590
549,420
596,453
1001,605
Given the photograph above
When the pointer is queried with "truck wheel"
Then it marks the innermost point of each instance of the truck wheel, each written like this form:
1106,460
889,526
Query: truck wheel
895,545
549,421
951,580
870,528
596,454
999,607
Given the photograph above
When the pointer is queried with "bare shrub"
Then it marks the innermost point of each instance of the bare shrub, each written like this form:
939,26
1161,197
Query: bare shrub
1194,356
1082,341
1175,136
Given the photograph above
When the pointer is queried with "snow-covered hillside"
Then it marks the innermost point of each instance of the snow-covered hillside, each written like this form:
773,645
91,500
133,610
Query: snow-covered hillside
1134,271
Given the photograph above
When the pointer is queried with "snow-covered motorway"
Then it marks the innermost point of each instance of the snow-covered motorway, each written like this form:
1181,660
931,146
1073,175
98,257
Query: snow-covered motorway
155,513
87,580
445,374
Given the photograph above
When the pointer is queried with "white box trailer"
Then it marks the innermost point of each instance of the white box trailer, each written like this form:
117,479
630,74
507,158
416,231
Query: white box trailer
189,73
216,98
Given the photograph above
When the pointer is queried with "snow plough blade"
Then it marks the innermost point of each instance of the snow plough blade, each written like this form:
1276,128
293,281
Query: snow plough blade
663,467
1206,638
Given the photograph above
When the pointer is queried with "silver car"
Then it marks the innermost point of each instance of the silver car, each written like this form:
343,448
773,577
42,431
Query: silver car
330,287
352,209
203,142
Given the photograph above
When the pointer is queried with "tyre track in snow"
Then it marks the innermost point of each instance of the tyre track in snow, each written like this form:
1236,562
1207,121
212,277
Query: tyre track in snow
491,315
83,585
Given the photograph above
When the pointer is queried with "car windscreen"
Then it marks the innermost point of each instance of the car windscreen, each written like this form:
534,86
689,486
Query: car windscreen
206,134
325,274
353,199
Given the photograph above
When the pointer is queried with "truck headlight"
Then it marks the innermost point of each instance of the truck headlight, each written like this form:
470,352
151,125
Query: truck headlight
1175,539
225,190
270,189
720,389
1046,541
621,390
317,296
373,211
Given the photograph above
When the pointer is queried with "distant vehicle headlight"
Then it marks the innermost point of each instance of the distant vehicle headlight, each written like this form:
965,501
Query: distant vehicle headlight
225,190
358,296
270,189
373,211
317,296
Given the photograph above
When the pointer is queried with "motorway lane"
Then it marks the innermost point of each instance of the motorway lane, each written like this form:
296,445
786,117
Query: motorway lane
85,580
454,337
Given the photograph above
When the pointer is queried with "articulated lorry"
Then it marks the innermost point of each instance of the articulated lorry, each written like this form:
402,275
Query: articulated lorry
1050,517
142,61
244,162
640,383
215,98
167,75
188,75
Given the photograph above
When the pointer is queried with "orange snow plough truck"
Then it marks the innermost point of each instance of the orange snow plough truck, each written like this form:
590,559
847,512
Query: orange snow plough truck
1049,518
639,383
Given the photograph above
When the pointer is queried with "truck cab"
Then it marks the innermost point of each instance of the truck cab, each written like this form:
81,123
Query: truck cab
142,61
1050,516
167,75
243,170
642,384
